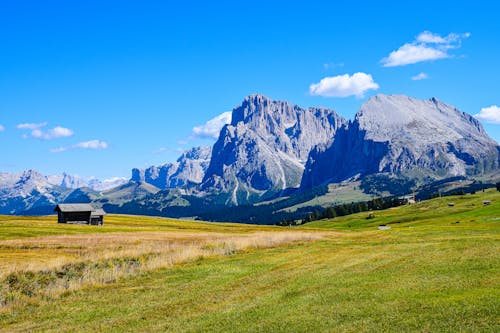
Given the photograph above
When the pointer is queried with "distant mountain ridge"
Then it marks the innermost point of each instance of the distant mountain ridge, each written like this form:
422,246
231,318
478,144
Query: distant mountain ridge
27,190
30,189
70,181
274,154
189,169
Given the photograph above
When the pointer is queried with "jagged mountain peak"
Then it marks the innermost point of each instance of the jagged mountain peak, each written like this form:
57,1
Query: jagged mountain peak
260,108
406,136
430,120
30,180
195,153
265,147
31,174
188,169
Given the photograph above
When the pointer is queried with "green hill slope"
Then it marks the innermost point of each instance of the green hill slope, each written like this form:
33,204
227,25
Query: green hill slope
428,273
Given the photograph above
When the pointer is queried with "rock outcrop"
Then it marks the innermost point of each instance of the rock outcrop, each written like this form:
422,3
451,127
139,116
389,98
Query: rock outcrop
189,169
404,136
264,149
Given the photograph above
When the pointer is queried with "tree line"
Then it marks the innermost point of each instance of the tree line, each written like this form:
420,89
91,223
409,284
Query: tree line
347,209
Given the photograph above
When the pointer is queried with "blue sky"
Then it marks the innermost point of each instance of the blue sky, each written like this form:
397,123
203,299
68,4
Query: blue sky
98,87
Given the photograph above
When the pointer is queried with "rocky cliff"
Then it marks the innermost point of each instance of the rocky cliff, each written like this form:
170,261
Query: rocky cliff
189,168
408,137
264,149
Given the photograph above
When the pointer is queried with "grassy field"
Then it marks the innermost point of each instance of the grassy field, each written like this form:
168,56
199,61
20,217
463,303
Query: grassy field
435,270
337,194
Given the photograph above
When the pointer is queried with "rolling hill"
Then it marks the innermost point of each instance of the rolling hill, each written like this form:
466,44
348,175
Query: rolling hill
436,269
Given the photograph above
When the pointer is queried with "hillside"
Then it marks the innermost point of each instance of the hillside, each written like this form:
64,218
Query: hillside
436,269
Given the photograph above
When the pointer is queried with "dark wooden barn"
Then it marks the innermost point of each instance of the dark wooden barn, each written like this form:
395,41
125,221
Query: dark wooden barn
79,213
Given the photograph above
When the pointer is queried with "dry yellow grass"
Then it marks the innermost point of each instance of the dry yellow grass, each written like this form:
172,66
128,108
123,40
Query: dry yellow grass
108,256
48,252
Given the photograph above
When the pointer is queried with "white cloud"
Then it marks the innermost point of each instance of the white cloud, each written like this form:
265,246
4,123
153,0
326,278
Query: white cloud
161,150
490,114
2,128
413,53
344,85
92,144
59,150
420,76
331,65
60,132
54,133
31,126
212,127
426,47
182,142
38,132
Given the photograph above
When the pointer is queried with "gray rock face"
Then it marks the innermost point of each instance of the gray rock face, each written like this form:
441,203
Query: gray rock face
66,180
27,182
264,149
27,190
189,168
33,193
69,181
406,136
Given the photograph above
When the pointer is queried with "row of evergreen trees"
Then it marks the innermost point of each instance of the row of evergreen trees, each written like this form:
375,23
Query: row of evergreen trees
347,209
356,207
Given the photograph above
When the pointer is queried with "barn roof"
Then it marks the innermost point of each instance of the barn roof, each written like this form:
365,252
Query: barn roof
99,212
74,208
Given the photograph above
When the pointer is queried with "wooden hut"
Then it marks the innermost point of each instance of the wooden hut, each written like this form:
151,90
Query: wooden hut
97,217
79,213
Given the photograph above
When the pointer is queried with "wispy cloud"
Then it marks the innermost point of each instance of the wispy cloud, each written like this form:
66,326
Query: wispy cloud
92,144
420,76
211,128
344,85
427,46
489,114
54,133
331,65
182,142
38,131
2,128
161,150
31,126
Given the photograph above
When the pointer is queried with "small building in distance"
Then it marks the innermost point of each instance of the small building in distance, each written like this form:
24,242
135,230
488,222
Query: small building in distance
79,213
410,199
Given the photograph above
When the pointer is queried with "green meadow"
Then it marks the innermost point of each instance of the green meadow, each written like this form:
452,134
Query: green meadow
435,270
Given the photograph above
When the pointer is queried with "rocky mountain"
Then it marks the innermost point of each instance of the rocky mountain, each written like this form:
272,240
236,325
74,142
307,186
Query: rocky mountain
189,169
264,149
27,190
25,183
394,145
407,137
31,192
69,181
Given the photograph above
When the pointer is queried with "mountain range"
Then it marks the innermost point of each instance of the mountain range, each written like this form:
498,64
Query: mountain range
30,190
276,152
